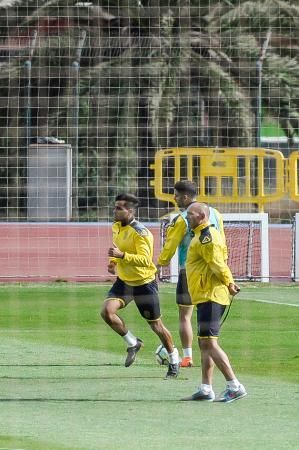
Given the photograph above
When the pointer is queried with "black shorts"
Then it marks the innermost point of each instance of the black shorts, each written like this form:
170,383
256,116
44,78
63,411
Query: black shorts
182,294
208,319
146,297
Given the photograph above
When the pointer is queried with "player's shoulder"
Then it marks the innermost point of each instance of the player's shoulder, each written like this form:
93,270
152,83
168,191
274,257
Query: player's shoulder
216,212
139,228
116,226
178,220
206,235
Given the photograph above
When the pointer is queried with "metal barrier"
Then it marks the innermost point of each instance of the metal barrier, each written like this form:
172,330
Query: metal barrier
223,175
293,170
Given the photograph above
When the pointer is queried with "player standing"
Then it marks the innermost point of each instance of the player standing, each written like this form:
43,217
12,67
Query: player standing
178,237
131,257
210,285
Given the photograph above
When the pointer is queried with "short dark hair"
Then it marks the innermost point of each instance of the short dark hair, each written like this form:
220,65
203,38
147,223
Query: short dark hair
130,199
186,187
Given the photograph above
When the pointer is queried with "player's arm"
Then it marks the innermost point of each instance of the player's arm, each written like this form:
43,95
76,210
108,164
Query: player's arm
143,255
222,271
175,234
112,263
111,267
213,255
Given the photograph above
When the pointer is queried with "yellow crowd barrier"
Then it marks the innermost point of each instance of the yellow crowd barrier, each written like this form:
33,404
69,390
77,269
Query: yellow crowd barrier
226,175
293,179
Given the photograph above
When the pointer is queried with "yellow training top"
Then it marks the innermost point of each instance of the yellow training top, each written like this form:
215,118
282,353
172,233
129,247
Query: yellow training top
175,234
179,236
136,241
208,275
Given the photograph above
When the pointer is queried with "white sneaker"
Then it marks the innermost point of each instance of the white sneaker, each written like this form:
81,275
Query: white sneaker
230,395
201,396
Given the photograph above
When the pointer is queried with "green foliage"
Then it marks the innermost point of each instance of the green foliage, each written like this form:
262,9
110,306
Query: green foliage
147,71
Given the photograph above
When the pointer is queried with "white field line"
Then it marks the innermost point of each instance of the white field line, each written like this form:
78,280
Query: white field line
253,300
271,302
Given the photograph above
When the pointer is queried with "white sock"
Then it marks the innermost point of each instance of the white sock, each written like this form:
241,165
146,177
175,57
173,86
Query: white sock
174,356
206,388
233,384
130,339
187,352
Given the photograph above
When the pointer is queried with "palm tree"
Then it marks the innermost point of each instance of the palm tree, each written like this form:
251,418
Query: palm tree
255,19
154,74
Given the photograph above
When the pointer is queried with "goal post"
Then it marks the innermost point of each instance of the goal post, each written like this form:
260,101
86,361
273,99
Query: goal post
296,249
248,232
247,236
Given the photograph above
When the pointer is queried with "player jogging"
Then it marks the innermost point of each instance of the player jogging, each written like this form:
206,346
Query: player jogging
178,237
131,257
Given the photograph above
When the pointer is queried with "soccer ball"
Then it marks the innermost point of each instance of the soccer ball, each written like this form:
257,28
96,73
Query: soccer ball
161,355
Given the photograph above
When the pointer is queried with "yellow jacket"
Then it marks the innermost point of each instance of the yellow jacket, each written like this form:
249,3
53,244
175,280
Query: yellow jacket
175,234
178,236
208,275
136,241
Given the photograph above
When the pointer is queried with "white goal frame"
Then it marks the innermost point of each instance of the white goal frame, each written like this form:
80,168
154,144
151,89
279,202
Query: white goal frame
262,218
296,249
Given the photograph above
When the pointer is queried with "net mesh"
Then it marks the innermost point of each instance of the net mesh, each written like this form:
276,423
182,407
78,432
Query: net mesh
245,247
105,85
244,244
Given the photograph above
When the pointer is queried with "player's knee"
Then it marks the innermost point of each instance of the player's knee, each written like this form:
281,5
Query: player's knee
103,312
154,326
157,326
109,310
106,312
207,343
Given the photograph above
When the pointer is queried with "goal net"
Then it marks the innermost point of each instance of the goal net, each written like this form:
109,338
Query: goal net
296,249
247,240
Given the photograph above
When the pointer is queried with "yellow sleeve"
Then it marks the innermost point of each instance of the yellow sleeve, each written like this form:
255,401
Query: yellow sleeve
143,255
113,260
175,234
213,254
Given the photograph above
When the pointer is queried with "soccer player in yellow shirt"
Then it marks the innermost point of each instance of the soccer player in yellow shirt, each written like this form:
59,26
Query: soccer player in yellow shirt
178,237
131,257
210,285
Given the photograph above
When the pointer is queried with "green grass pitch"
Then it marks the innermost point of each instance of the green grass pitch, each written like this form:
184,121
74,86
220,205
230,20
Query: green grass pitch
63,385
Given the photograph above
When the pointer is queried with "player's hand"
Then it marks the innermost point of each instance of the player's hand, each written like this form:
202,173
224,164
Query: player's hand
111,268
115,252
158,272
233,288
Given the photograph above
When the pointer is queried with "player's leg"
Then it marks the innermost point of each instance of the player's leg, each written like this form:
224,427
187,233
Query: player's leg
205,391
165,337
109,315
186,334
185,309
163,333
118,297
211,313
147,301
212,349
209,317
234,389
207,363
